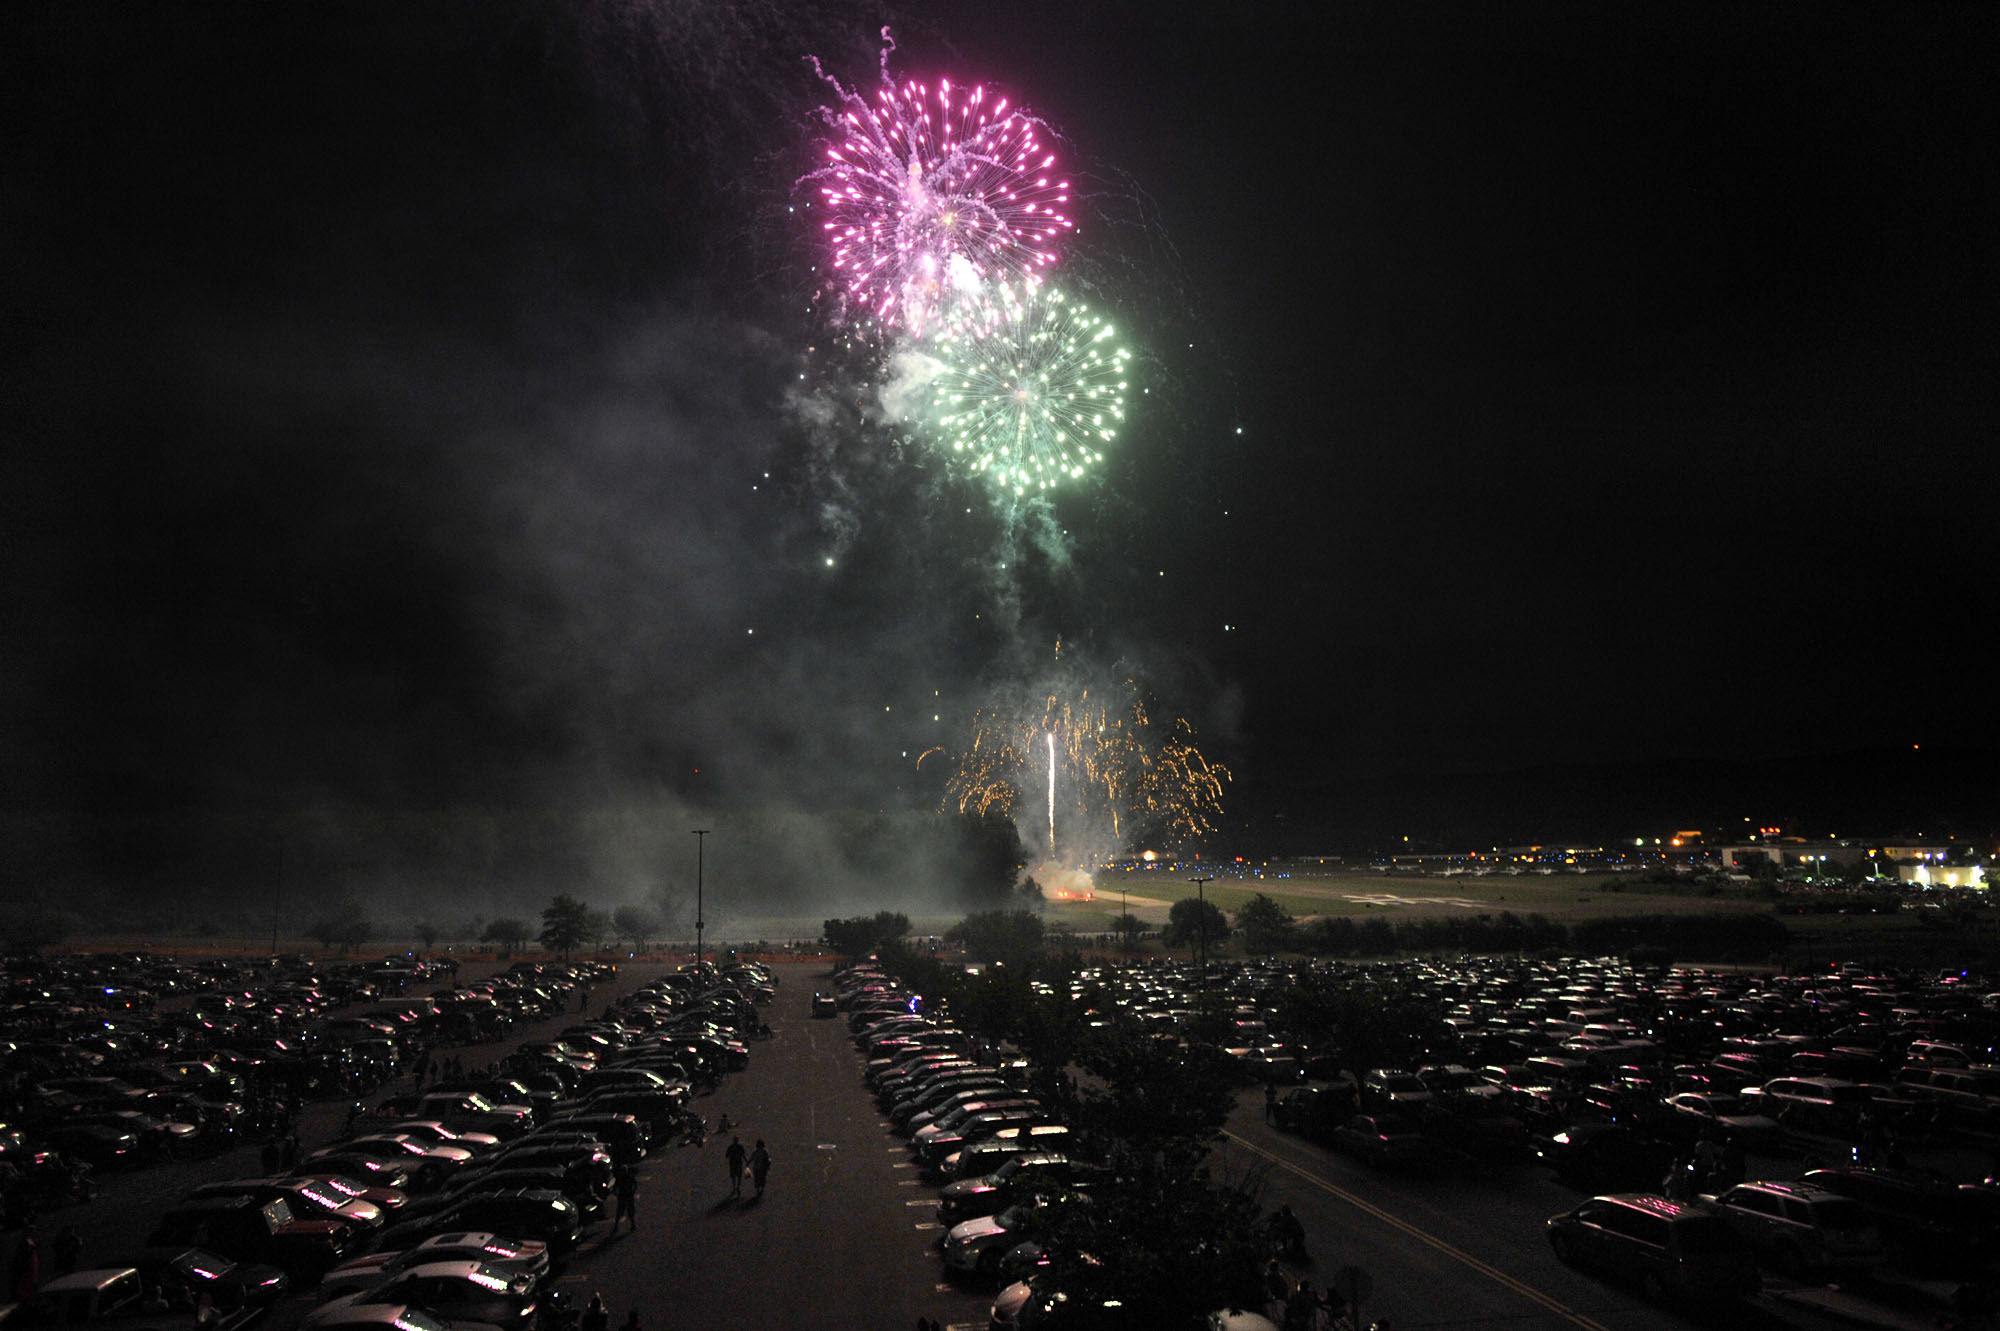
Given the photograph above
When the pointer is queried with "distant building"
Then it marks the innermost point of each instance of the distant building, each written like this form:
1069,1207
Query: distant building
1932,874
1792,852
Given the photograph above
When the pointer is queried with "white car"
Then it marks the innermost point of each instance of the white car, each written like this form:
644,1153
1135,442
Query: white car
437,1134
524,1257
459,1292
976,1245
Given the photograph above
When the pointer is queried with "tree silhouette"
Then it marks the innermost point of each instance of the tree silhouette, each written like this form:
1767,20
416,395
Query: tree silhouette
565,924
635,924
509,931
1265,926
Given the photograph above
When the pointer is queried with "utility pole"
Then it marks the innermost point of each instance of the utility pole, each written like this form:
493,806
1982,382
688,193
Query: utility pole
1201,925
700,846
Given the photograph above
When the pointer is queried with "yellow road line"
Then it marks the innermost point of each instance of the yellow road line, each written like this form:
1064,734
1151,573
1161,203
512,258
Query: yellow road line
1459,1255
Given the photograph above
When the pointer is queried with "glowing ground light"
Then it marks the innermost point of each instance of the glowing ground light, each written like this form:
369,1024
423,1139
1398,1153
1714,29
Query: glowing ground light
1031,385
931,193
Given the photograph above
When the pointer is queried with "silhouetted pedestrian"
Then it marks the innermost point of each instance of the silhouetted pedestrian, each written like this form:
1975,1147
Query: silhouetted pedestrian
65,1248
760,1166
734,1155
625,1186
596,1317
27,1268
1270,1102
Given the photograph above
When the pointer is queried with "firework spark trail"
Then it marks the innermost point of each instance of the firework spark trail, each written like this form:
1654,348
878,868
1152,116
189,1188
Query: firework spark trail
1136,776
1052,794
933,192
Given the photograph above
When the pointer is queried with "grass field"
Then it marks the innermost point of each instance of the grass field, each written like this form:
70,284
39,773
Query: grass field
1909,939
1566,898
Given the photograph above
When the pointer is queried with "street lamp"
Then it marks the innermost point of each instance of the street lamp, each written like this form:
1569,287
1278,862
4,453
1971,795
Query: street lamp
700,845
1201,932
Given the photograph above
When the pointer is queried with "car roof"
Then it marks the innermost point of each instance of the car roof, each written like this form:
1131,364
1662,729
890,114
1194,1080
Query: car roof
346,1312
94,1278
1653,1202
445,1267
1803,1191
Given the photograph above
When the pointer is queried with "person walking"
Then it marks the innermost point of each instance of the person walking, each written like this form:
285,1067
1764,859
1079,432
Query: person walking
735,1155
27,1267
67,1249
760,1166
625,1186
596,1317
1270,1102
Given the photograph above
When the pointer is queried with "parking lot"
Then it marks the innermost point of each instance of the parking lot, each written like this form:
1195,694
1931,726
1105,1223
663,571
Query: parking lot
1450,1231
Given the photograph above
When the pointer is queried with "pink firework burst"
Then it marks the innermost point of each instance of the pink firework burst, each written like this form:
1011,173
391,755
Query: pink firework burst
931,194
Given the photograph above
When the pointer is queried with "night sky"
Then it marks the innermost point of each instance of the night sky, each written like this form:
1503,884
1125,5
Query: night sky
424,405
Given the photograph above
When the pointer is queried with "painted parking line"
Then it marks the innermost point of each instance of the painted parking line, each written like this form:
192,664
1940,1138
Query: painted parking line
927,1224
922,1201
1424,1237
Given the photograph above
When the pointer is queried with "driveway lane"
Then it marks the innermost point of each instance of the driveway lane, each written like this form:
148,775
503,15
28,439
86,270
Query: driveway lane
1449,1251
834,1243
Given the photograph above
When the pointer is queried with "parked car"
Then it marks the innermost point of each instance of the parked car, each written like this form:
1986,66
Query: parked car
1668,1249
933,1150
437,1134
1380,1139
239,1292
1315,1111
1730,1117
251,1231
983,1157
346,1315
388,1200
457,1290
1802,1230
1388,1089
622,1134
514,1257
1019,1177
110,1299
1594,1155
308,1198
974,1246
1930,1225
530,1213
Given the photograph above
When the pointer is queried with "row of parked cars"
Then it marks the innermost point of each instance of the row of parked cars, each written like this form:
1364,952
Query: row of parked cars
1766,1121
117,1061
1725,1121
448,1205
1001,1157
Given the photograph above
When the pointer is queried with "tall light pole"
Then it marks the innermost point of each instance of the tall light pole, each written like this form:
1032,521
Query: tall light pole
1201,926
700,845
